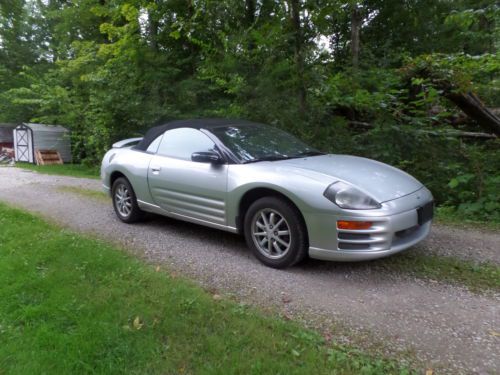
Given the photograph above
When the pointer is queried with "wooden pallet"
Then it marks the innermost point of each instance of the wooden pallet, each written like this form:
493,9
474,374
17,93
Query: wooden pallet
48,157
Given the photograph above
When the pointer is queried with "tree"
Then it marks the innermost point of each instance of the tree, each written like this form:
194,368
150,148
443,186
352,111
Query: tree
356,20
295,8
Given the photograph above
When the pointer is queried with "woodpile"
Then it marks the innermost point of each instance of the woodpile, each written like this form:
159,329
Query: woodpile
48,157
6,156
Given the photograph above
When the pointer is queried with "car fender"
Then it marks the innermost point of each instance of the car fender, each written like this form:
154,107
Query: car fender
134,166
305,193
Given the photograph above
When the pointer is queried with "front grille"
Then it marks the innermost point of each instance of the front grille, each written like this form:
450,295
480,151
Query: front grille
354,241
406,232
353,246
354,236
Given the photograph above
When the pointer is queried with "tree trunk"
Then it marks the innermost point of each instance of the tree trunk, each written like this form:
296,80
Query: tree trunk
250,8
249,12
153,31
266,9
298,53
467,101
472,106
450,133
193,49
356,20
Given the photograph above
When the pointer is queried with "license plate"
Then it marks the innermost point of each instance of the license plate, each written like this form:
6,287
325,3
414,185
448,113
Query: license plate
425,213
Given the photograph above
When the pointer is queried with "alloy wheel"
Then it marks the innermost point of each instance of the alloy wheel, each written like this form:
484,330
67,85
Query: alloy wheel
123,200
271,233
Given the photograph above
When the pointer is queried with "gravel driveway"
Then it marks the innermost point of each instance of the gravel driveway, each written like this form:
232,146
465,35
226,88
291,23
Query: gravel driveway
448,328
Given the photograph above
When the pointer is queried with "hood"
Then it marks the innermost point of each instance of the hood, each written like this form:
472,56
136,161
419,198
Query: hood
381,181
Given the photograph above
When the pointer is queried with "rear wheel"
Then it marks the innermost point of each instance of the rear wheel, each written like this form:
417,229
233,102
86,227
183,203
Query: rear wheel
275,232
125,201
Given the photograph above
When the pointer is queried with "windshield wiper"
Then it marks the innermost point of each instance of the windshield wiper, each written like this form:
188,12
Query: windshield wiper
308,153
268,158
285,157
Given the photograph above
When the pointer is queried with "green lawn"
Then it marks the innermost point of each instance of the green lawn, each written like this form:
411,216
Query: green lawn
75,170
74,305
478,277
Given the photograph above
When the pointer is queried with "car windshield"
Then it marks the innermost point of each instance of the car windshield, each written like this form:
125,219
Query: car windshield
258,142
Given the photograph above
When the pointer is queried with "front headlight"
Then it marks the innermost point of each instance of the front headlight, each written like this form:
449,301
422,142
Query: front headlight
347,196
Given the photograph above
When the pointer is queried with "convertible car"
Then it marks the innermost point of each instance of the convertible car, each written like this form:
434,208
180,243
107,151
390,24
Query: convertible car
288,199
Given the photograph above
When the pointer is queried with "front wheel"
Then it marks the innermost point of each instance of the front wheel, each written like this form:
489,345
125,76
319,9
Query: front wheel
275,232
125,201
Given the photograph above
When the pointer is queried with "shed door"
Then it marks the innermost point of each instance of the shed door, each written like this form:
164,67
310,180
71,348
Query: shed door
23,144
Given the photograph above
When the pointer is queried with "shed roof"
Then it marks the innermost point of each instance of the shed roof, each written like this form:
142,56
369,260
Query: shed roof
7,125
44,127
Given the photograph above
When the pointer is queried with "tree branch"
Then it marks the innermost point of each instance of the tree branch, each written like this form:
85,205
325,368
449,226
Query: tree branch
447,133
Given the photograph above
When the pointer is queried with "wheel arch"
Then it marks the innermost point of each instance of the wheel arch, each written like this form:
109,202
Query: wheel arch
114,176
256,193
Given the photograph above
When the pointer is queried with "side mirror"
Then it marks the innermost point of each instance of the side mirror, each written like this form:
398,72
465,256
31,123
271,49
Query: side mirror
207,157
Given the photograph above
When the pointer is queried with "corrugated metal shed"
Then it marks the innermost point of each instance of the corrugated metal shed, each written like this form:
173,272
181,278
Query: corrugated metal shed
6,136
42,137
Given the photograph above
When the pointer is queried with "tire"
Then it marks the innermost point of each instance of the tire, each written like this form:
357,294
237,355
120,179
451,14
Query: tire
266,223
126,209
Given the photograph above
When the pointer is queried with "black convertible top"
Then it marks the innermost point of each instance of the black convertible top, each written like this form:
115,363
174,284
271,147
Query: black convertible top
208,124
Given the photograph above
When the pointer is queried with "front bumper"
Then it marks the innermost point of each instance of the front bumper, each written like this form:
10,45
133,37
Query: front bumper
389,234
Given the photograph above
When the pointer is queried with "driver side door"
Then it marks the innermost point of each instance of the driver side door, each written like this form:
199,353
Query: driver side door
185,188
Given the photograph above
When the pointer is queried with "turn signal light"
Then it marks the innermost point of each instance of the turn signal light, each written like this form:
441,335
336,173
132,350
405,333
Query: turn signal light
354,225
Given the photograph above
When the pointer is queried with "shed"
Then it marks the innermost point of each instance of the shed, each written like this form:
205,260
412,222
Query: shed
6,135
29,137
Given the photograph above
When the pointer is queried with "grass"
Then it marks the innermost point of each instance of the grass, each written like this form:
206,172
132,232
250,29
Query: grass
477,277
449,216
88,193
73,304
74,170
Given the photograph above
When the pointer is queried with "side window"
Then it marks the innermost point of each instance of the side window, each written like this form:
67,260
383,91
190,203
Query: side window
153,146
183,142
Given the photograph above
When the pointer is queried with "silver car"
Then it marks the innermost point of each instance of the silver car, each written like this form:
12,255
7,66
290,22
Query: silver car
288,199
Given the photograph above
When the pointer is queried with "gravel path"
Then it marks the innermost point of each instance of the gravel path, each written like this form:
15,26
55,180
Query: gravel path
447,327
475,245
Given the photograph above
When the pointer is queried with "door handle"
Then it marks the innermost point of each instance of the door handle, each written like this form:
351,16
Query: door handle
155,170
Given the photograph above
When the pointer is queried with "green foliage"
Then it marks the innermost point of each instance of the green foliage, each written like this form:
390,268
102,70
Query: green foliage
110,70
475,191
458,72
450,216
476,27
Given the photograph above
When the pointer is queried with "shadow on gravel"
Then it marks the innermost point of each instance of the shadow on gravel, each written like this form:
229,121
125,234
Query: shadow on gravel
235,243
407,265
197,232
